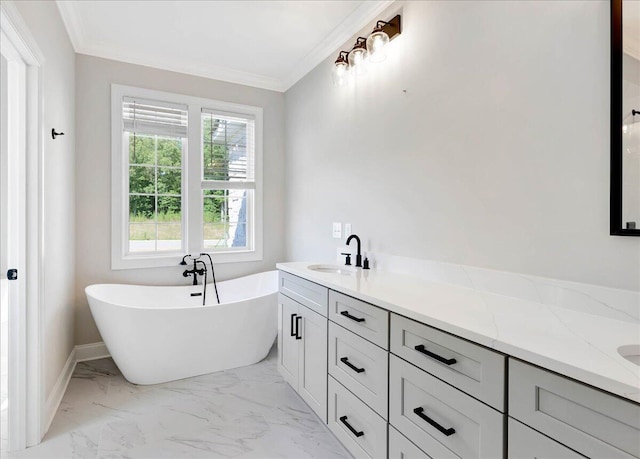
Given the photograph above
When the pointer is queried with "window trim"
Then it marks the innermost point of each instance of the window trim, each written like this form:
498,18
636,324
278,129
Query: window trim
192,183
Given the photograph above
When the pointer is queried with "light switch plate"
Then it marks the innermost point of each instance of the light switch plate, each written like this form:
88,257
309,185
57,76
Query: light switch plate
347,229
337,230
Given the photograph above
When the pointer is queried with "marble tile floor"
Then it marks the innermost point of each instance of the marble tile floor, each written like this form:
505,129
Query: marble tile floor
247,412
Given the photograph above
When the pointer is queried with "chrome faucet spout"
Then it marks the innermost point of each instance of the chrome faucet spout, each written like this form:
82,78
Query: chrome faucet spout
359,254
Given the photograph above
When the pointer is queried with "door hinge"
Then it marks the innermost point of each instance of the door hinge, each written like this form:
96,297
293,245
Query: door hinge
12,274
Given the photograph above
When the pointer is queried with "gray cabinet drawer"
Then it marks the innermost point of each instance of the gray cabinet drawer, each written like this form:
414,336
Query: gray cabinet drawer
476,371
585,419
364,319
368,439
360,366
311,295
401,448
526,443
477,429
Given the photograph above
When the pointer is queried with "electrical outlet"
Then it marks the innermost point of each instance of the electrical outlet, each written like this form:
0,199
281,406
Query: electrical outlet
337,230
347,229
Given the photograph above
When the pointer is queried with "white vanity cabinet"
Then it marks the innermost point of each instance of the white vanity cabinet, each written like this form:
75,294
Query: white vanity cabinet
358,375
526,443
446,394
393,387
473,369
360,366
360,429
302,350
401,448
589,421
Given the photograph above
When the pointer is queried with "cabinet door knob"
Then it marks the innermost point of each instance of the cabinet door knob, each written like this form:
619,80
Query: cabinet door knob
420,413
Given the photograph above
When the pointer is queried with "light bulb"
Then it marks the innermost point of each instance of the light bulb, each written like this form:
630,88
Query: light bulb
357,60
340,73
376,45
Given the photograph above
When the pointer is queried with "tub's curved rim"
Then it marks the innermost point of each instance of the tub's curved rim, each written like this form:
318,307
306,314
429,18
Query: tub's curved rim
185,287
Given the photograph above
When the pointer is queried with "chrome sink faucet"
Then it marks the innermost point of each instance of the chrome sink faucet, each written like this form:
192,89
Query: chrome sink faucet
359,254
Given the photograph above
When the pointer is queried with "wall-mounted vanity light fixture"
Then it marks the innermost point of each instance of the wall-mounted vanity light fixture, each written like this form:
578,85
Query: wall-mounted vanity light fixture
341,69
358,57
372,48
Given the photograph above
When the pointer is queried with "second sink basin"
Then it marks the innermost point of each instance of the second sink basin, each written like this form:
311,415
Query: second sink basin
630,352
333,269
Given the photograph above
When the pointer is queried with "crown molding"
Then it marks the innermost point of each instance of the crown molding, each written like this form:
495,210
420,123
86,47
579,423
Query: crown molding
21,39
185,66
72,22
358,19
354,22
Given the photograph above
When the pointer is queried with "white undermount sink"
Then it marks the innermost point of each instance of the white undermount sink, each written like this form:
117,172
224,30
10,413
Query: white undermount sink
630,352
333,269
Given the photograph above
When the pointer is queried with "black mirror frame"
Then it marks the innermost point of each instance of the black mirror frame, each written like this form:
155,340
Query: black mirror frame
616,228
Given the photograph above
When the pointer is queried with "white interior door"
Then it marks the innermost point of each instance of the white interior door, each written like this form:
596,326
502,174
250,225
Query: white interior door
21,231
13,245
4,291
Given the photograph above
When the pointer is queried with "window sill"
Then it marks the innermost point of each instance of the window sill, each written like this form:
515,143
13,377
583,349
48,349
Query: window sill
173,259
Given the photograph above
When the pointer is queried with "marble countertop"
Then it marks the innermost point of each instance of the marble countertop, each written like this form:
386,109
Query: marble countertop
577,344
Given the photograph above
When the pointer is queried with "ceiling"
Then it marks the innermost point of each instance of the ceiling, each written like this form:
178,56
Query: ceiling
266,44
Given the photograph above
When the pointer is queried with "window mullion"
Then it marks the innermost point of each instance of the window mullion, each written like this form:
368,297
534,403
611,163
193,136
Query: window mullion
193,170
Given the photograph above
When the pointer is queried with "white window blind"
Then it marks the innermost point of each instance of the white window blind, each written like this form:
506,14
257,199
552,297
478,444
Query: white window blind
141,116
229,141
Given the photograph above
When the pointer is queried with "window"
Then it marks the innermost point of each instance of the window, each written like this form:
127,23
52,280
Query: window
228,184
186,178
154,138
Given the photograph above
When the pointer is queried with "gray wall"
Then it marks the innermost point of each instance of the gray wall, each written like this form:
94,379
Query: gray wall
94,77
46,26
497,154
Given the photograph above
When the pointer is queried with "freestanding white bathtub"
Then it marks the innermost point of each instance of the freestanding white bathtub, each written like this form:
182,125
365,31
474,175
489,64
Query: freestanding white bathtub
159,334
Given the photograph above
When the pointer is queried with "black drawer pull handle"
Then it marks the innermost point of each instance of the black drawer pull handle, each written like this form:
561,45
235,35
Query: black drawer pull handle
343,419
421,348
349,316
293,316
345,360
298,335
420,412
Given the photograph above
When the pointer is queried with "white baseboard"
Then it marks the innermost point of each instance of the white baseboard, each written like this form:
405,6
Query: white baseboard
91,351
80,353
53,402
